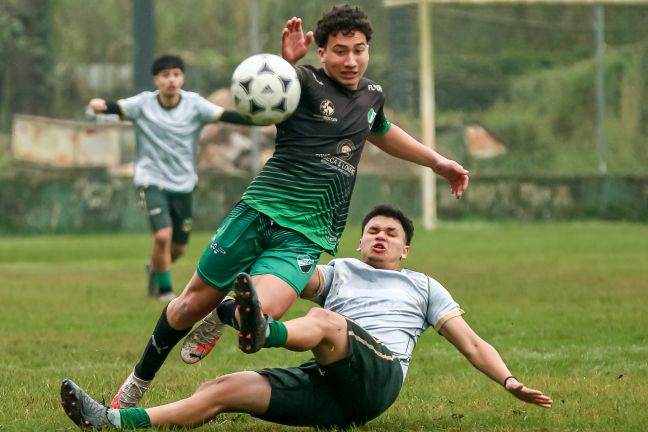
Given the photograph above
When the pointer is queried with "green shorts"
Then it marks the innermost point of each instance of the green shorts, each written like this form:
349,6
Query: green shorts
249,241
351,391
168,209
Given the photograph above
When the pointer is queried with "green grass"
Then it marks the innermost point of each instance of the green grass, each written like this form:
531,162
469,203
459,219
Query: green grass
565,304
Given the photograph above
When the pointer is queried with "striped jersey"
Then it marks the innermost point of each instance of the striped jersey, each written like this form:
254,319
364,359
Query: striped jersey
307,184
393,306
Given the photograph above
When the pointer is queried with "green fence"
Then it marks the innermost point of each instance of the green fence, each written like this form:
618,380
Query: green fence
90,200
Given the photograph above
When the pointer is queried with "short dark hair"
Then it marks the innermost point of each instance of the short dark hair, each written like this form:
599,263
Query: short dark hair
394,213
166,61
342,18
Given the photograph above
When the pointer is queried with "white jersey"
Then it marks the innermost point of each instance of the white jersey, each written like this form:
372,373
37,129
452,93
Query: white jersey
167,139
395,307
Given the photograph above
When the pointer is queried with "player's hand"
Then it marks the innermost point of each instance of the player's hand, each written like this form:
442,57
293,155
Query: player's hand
525,394
98,105
456,175
294,45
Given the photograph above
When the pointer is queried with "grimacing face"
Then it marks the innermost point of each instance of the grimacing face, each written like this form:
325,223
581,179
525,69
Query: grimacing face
345,58
383,243
169,82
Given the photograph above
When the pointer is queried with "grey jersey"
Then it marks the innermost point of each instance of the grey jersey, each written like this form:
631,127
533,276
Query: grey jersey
395,307
167,139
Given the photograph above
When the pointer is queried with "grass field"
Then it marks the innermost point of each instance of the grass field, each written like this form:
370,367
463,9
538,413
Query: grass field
565,304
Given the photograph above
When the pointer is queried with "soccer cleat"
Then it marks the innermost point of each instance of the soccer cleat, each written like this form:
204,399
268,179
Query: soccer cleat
166,297
152,289
81,408
202,339
131,392
252,321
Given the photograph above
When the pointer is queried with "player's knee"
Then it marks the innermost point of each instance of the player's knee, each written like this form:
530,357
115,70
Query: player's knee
177,251
326,319
163,235
186,310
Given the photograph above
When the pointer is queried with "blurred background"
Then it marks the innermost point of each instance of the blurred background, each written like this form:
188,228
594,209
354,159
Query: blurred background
544,103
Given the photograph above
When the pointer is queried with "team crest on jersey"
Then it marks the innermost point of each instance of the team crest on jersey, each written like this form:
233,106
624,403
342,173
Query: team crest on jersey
344,149
326,108
305,263
371,116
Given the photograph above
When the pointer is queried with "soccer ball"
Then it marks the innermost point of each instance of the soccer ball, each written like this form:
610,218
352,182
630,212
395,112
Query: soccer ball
265,89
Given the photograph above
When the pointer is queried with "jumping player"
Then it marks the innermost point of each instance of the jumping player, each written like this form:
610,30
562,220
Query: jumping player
296,208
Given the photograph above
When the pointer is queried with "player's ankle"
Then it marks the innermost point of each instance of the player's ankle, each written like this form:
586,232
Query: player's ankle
276,334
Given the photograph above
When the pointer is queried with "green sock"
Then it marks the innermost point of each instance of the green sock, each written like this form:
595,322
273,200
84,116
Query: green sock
276,334
134,418
163,280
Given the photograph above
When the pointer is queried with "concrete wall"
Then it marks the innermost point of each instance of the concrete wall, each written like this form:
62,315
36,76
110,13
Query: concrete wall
90,200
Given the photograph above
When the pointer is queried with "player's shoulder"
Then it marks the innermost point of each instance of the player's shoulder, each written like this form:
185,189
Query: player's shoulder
310,74
190,96
369,85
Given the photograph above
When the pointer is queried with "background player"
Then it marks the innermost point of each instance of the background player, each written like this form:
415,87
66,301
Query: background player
167,123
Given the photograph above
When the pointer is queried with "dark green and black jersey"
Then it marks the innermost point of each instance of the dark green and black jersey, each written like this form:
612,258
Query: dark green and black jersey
307,184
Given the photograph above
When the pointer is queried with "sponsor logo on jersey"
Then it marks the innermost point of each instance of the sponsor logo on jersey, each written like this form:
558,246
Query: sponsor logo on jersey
345,149
371,116
374,87
155,211
217,249
339,165
316,80
305,263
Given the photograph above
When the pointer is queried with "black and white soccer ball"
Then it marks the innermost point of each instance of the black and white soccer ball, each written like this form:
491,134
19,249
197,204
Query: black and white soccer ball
265,89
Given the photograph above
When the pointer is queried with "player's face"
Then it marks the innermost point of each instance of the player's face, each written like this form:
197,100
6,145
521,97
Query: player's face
345,58
383,243
169,82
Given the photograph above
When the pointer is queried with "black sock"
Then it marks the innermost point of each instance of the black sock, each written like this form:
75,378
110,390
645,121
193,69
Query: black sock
162,341
226,312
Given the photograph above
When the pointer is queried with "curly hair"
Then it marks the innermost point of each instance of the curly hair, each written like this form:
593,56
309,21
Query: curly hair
394,213
342,18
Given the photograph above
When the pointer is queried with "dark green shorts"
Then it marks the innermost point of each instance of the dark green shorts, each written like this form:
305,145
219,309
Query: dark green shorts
168,209
348,392
251,242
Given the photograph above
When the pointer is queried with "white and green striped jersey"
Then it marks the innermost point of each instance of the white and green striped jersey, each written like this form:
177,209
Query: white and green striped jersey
395,307
167,138
307,184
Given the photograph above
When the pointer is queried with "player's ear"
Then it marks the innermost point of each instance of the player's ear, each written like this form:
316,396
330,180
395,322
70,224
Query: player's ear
405,252
320,53
359,243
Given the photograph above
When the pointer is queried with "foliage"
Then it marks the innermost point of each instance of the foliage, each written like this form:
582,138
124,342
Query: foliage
548,120
563,303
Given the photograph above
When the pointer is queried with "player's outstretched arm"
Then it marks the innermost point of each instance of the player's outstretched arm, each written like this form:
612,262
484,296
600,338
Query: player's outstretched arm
294,44
486,358
98,105
400,144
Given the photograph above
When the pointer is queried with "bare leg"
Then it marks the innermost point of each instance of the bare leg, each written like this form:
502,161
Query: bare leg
275,295
177,250
196,301
321,331
161,250
247,392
